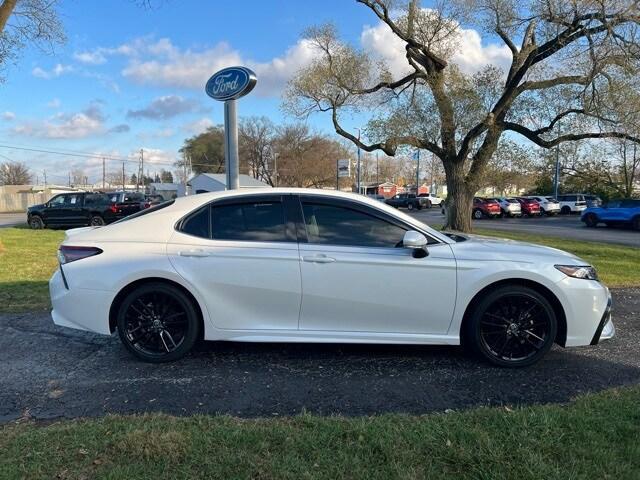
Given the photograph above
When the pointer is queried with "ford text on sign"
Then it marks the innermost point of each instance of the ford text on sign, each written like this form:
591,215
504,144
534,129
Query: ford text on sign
231,83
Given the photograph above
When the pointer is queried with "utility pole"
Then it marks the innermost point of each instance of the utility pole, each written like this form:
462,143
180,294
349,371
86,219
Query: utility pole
123,177
556,179
275,167
103,173
142,166
417,172
377,169
358,165
69,178
45,179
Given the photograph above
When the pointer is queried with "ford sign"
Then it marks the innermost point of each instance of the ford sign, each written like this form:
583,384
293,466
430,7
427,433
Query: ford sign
231,83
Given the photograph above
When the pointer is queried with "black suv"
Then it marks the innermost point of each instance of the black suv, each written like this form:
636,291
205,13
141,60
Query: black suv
73,210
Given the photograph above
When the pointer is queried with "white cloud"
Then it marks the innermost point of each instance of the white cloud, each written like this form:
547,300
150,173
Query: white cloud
82,124
470,55
199,126
54,103
172,67
56,71
8,116
95,57
156,156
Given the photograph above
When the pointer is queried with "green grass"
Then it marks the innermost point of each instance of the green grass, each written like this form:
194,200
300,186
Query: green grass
594,437
617,265
27,260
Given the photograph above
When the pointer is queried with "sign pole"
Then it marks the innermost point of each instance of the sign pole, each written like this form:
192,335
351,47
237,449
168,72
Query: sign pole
227,85
232,166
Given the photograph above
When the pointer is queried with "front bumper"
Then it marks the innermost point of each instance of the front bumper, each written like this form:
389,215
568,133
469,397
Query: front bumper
606,329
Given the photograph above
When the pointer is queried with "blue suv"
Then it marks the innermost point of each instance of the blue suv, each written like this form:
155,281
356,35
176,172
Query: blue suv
615,212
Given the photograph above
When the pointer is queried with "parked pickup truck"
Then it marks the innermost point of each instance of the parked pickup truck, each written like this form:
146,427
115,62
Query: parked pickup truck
409,200
127,203
73,210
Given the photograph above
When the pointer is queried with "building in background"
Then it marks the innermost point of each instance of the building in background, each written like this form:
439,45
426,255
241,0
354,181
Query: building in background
217,182
167,190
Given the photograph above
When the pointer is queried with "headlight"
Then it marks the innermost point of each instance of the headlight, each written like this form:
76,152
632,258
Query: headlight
586,272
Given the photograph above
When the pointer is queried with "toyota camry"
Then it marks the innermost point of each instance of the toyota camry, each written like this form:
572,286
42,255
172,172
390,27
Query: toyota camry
301,265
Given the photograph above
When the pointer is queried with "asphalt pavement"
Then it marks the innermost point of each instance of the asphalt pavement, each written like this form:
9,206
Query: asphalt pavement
563,226
12,219
49,372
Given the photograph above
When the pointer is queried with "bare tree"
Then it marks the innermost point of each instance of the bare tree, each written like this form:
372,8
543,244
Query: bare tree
28,21
14,173
255,139
568,73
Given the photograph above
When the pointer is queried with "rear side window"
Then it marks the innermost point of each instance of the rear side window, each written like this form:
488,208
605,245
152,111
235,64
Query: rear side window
630,203
197,224
253,222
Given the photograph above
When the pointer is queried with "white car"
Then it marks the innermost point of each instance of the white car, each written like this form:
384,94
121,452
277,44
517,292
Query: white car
548,205
572,203
509,207
301,265
434,199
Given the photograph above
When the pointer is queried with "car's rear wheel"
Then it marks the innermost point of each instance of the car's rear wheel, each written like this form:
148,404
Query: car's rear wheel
36,223
565,210
590,220
477,214
410,206
513,326
158,323
96,221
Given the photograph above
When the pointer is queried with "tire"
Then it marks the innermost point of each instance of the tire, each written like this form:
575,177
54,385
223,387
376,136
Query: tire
36,222
96,221
636,223
429,204
509,314
477,214
565,210
591,220
410,206
163,337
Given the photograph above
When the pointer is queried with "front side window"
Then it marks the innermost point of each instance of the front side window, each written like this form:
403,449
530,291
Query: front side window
57,201
251,221
333,225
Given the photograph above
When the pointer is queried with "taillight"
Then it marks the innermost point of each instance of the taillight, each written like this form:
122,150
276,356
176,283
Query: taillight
68,254
113,208
147,205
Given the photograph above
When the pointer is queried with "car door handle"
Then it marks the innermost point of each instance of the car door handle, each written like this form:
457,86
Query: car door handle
193,253
318,259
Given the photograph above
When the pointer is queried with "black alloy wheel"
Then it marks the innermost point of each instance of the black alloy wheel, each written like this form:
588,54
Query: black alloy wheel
96,221
158,323
513,326
477,214
591,220
36,223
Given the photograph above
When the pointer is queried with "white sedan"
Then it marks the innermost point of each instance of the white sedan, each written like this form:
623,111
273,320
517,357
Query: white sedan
296,265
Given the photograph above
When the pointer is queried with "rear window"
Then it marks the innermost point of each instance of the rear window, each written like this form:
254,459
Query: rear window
146,211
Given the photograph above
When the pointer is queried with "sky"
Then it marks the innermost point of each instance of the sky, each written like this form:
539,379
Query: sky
131,78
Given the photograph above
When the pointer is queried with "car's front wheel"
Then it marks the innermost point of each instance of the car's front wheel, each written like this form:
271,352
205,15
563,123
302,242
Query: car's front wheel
477,214
158,323
513,326
410,206
36,223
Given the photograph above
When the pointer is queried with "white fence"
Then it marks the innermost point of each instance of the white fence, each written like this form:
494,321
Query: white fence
18,202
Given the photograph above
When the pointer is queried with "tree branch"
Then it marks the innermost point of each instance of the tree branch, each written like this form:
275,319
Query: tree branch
571,137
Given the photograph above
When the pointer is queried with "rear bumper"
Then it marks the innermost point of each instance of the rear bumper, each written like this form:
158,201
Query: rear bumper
79,308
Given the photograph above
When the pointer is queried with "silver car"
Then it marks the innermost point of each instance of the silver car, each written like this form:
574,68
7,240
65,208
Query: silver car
509,207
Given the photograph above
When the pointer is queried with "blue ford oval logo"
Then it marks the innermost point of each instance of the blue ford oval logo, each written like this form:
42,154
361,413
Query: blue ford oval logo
231,83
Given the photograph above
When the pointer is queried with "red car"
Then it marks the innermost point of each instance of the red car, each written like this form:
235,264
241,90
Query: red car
530,207
485,207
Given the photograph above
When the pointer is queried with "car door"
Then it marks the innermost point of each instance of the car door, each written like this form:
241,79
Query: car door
242,256
356,277
54,210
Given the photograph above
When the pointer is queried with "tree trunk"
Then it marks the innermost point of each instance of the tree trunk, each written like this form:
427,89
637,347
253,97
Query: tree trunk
459,198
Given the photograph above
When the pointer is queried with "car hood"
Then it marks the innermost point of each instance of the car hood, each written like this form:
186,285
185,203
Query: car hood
39,206
478,247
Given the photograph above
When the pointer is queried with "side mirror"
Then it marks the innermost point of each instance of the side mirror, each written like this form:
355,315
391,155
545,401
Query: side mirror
417,242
